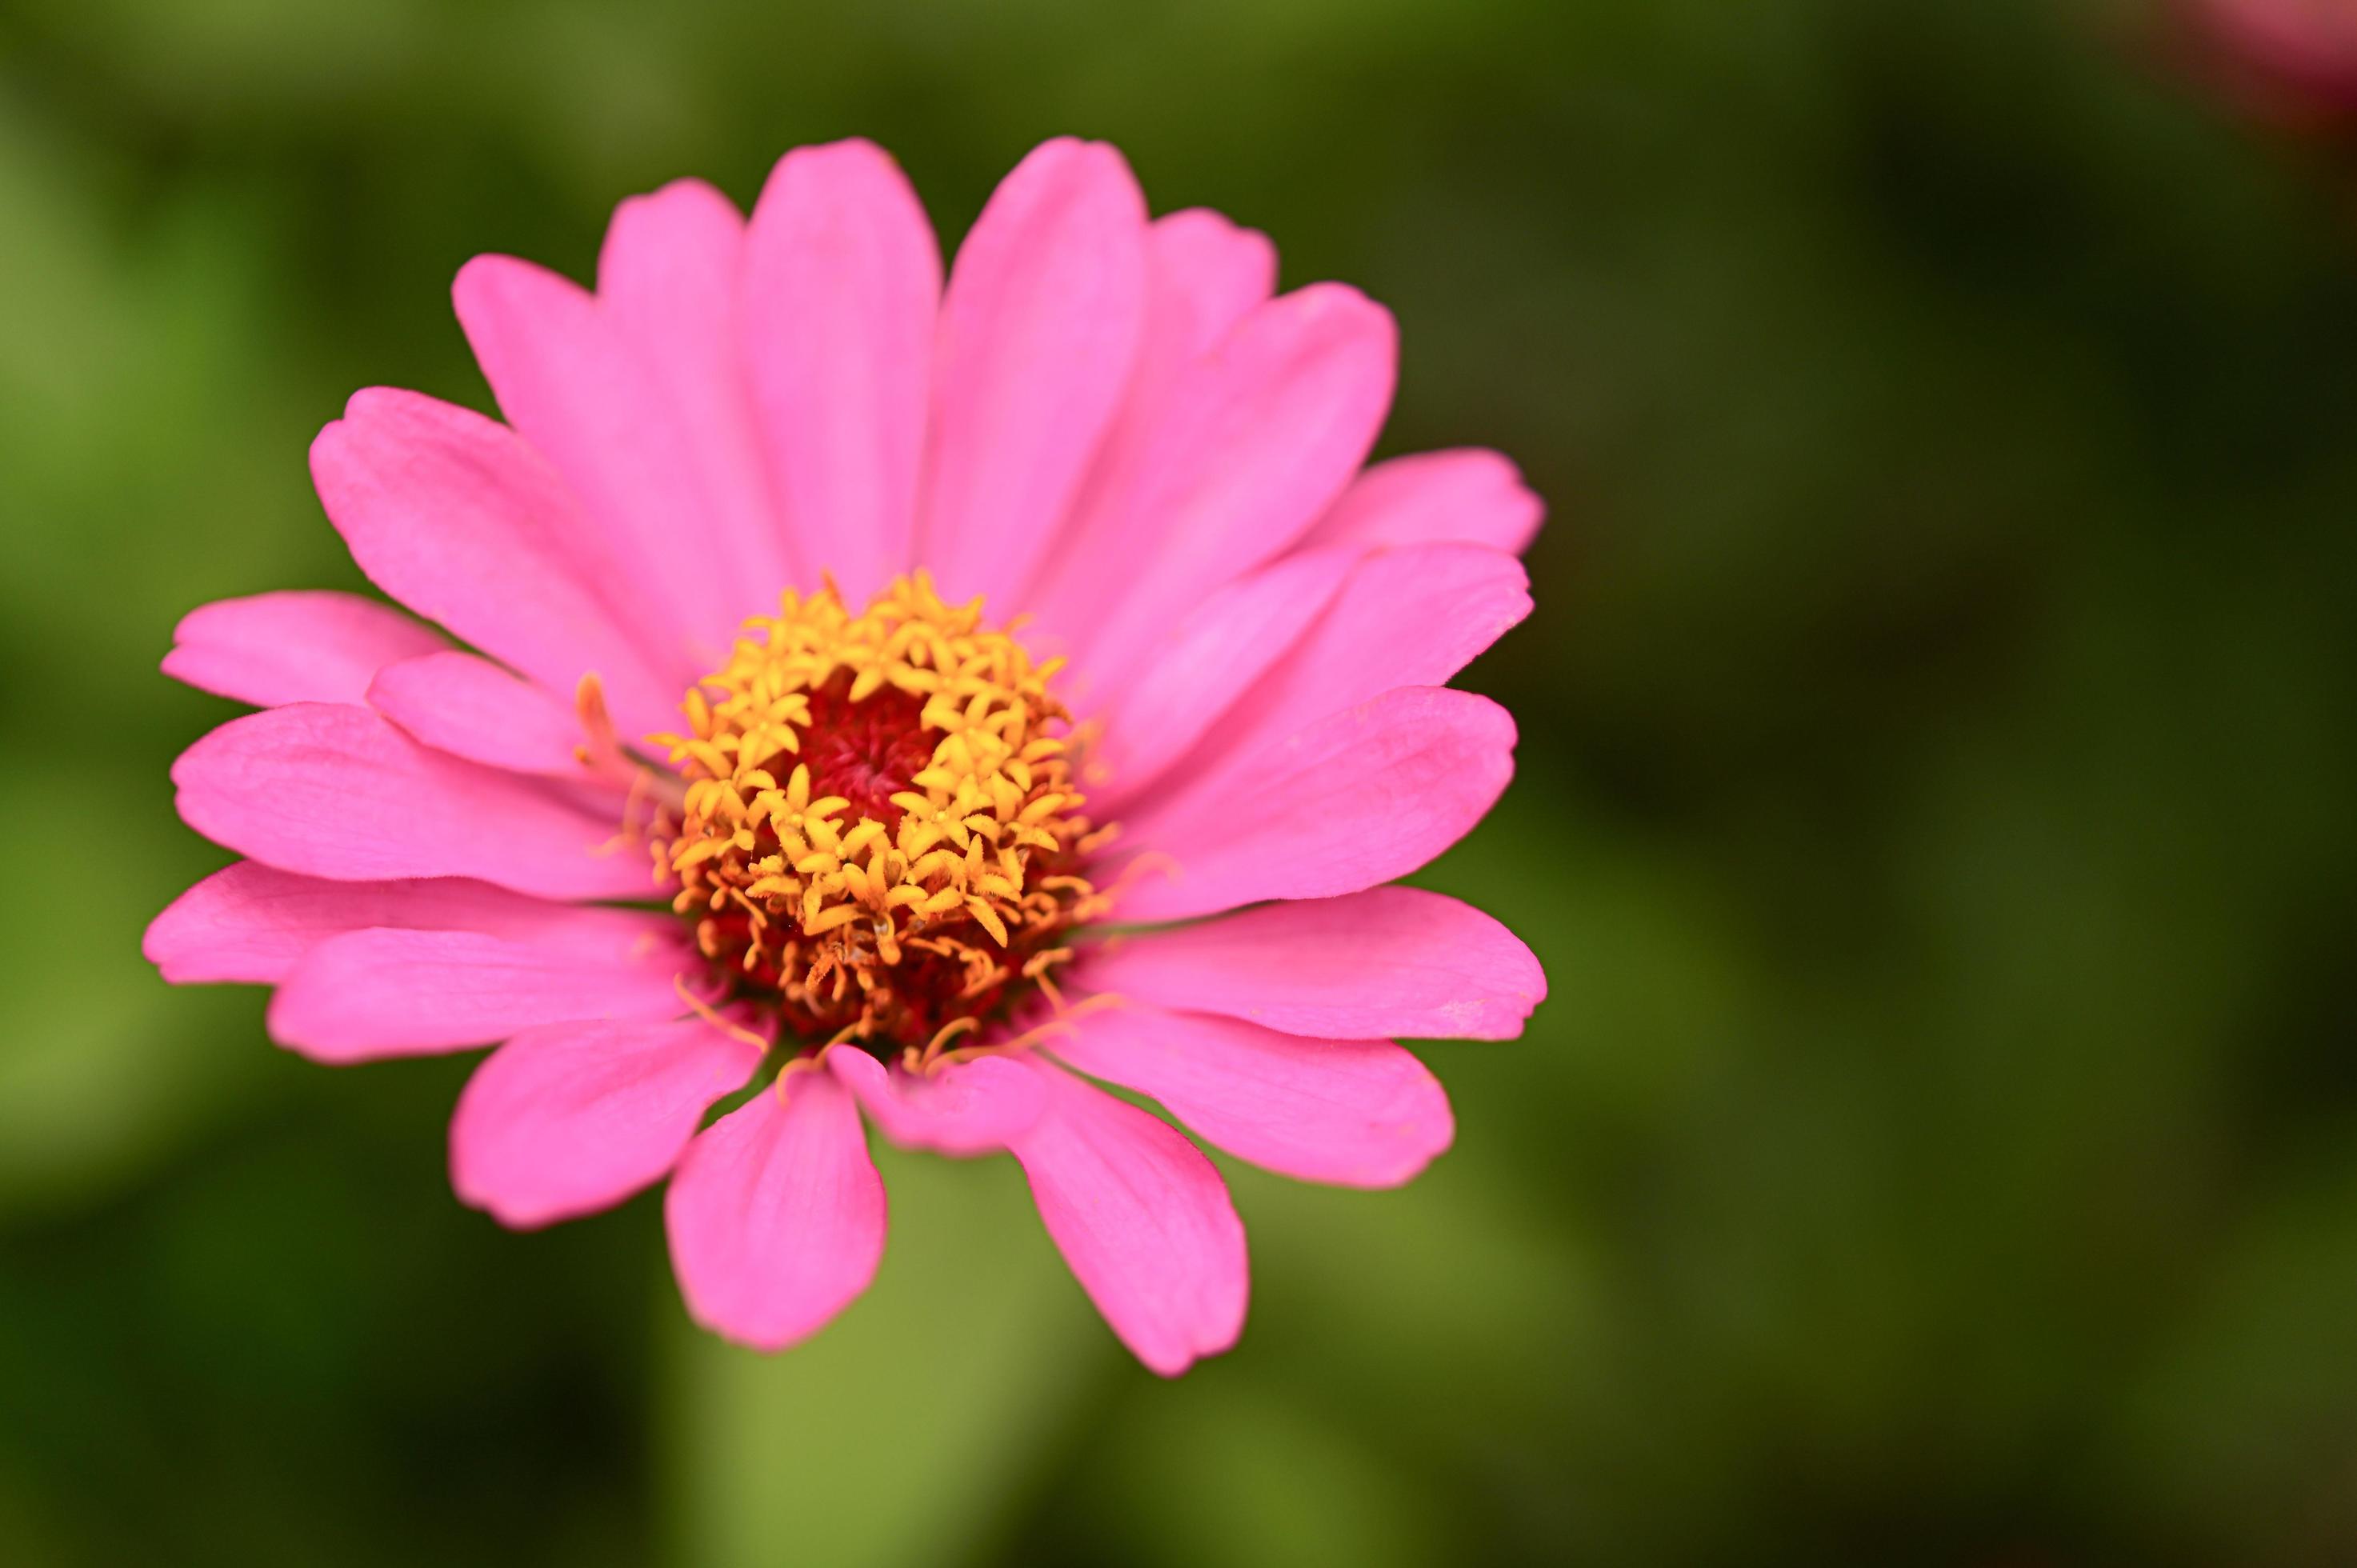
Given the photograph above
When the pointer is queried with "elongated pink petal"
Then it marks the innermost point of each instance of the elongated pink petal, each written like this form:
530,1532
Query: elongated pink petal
776,1215
1142,1218
1223,648
1411,617
1387,962
470,707
1353,1112
1203,275
572,383
373,994
341,793
1259,438
567,1118
1039,332
292,647
967,1108
1350,801
1466,495
671,276
844,284
250,922
458,518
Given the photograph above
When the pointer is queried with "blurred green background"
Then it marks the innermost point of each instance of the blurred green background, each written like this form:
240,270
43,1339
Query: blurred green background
1935,812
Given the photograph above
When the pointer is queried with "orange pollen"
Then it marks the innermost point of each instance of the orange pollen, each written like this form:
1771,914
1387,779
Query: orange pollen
881,837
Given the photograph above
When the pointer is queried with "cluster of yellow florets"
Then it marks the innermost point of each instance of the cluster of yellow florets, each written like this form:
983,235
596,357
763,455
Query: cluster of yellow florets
877,826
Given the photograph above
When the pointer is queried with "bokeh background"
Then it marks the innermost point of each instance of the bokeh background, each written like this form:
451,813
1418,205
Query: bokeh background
1935,809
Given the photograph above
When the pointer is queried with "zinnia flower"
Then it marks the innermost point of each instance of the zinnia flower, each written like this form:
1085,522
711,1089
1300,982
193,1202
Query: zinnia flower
889,698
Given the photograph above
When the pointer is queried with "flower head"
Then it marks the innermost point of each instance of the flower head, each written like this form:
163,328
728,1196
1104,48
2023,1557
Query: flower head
889,700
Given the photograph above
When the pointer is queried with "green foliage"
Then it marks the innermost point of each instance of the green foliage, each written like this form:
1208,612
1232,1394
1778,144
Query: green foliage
1935,812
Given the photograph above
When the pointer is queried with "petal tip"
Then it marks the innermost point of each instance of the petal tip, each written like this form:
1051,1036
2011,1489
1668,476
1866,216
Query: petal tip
163,943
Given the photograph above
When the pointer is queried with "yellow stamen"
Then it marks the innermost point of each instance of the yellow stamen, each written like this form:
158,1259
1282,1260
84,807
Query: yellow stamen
712,1016
921,855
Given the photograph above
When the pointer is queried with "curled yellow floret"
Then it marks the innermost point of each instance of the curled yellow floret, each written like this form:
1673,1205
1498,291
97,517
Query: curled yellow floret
880,824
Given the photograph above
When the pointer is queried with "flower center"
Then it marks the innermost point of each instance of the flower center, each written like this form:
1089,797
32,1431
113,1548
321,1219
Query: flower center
879,837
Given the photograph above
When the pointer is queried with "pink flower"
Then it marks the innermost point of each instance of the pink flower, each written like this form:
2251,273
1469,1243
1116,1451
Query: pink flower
2291,60
879,811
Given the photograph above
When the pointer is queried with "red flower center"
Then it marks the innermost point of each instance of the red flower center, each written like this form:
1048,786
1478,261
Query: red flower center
867,751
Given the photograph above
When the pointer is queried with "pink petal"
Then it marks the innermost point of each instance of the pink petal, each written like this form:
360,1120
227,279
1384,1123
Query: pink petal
573,384
1390,961
967,1108
672,278
1354,1112
569,1118
1038,331
470,707
1466,495
1142,1218
292,647
340,792
1411,617
776,1215
1223,648
455,515
372,994
1350,801
250,922
1258,439
1203,275
844,285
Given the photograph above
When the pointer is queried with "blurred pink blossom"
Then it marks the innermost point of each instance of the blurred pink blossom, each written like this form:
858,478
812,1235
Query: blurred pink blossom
2290,60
